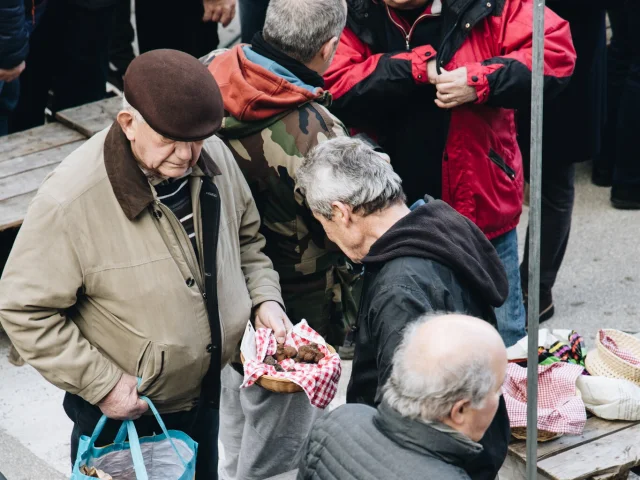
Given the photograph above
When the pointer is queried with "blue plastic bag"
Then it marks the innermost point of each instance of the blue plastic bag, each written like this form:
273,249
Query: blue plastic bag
170,456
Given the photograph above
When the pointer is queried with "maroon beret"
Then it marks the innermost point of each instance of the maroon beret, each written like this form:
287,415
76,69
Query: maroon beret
175,94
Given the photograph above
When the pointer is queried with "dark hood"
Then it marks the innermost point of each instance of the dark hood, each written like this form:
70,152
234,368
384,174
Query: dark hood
435,231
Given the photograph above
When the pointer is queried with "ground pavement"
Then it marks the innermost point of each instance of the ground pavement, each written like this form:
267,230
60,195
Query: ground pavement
598,286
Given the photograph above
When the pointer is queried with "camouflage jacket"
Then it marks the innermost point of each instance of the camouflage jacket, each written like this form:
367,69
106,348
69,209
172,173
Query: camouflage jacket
272,120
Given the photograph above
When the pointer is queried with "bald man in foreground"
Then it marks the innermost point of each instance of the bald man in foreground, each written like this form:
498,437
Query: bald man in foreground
442,395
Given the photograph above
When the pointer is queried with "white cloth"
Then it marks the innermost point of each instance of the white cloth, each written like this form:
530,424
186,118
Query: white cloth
610,398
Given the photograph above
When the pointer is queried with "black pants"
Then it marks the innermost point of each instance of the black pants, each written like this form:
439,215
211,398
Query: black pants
68,54
176,25
619,146
201,424
558,194
122,36
252,14
572,125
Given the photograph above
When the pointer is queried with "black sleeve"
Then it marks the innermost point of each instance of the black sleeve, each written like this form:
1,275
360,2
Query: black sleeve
14,38
366,86
393,308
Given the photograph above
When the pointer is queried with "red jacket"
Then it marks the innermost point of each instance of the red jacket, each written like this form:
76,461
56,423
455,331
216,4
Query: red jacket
469,155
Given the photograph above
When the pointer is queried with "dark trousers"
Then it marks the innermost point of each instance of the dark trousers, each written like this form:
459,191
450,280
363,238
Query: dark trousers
9,94
252,14
201,424
176,25
122,36
68,54
619,146
558,194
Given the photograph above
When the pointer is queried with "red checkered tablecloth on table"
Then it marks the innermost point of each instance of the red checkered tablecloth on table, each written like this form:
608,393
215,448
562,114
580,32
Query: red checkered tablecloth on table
611,345
320,382
560,410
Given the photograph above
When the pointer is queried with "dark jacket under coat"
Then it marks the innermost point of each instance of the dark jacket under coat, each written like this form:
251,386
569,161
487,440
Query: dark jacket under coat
356,442
433,260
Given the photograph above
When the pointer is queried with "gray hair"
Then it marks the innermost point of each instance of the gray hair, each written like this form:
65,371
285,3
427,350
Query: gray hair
349,171
300,28
430,397
137,116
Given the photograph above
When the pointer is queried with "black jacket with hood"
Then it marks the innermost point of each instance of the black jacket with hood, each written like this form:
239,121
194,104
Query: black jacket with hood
432,260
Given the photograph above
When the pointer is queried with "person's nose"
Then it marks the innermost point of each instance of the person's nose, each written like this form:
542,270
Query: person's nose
183,151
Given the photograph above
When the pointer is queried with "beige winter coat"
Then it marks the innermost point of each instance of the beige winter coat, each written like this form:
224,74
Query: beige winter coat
97,285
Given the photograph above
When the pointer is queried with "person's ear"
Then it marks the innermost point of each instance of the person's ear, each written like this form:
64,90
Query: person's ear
328,49
341,213
125,119
460,411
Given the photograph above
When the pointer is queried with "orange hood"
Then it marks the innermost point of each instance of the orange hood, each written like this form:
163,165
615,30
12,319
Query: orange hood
251,92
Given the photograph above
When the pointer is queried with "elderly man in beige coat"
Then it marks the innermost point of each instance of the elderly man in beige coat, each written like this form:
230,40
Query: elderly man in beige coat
140,261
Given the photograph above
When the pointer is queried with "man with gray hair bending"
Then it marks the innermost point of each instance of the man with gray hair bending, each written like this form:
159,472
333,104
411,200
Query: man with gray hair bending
442,395
431,259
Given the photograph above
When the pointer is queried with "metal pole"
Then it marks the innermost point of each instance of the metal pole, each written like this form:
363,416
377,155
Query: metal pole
535,180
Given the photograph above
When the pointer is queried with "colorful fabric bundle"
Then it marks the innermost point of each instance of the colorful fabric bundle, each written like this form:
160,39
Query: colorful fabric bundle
570,350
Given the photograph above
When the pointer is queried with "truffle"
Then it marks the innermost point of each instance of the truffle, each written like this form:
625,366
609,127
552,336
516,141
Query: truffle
284,352
309,354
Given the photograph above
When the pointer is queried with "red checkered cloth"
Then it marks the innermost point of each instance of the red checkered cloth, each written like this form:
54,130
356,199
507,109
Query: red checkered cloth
611,345
560,410
320,382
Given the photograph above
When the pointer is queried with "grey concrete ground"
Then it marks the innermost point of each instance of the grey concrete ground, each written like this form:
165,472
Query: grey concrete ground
18,463
599,283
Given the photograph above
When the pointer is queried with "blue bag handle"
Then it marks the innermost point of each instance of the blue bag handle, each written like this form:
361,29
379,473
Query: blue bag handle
136,451
164,429
134,443
128,429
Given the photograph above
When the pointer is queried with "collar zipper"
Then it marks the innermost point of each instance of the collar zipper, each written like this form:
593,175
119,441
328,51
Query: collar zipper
407,36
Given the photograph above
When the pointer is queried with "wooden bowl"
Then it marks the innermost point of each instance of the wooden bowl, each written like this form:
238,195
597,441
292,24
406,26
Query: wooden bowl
281,385
520,433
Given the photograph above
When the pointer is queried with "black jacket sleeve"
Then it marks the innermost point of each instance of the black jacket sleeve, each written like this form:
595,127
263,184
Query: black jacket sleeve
505,80
394,307
365,86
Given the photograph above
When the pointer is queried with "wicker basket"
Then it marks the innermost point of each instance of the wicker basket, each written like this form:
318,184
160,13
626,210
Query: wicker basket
281,385
520,433
603,363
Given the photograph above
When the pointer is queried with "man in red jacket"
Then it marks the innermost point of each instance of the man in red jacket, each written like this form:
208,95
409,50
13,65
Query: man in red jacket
437,82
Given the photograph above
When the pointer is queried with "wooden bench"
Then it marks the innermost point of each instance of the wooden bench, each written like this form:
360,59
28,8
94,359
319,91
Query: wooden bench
89,119
26,158
605,451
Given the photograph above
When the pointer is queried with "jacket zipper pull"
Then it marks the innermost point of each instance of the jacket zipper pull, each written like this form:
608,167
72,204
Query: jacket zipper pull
407,40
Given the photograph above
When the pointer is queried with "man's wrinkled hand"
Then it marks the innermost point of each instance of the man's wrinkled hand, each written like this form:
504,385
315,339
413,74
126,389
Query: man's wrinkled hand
220,11
452,88
123,402
271,315
9,75
432,71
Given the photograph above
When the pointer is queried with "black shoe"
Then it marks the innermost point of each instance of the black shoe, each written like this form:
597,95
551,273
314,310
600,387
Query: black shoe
625,197
602,177
547,310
